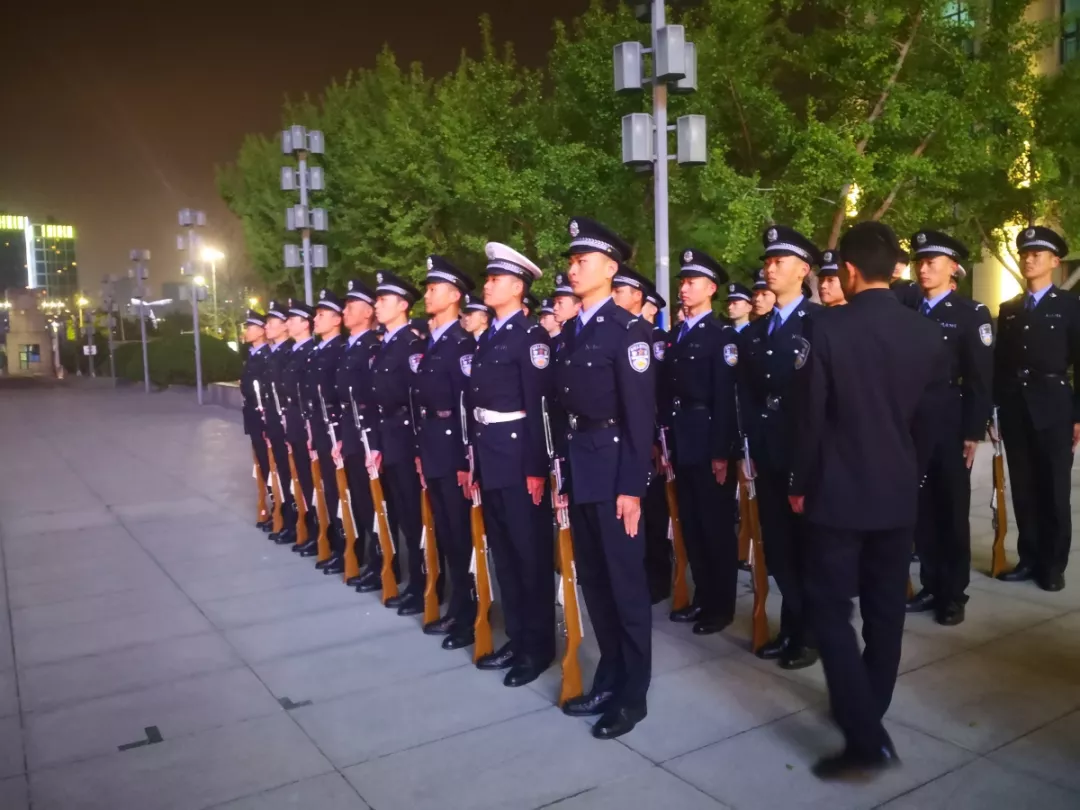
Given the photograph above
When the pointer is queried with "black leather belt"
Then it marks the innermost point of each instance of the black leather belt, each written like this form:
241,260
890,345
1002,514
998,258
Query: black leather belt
584,423
402,410
683,405
1029,374
431,413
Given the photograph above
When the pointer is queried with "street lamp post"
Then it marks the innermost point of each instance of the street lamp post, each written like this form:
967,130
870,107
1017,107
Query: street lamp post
109,301
141,274
88,330
214,256
299,141
190,220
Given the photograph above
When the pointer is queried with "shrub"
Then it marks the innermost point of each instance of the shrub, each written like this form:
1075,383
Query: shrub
172,360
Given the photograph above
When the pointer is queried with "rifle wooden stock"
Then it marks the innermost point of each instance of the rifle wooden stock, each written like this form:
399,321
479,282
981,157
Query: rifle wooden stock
485,644
744,525
279,497
910,589
431,560
261,512
386,540
759,573
571,667
348,521
680,591
321,511
998,562
299,500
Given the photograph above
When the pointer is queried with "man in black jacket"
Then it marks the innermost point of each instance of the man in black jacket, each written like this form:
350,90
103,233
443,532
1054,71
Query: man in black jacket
863,434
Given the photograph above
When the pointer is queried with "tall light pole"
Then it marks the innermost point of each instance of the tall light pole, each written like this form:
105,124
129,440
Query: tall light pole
108,300
190,241
299,141
140,273
645,137
88,330
213,256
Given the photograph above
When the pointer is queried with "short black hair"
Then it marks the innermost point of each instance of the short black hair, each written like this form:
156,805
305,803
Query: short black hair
873,248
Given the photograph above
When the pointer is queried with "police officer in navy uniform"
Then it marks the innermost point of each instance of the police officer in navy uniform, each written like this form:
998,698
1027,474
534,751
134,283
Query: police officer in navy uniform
254,368
762,299
657,543
355,396
273,398
476,316
605,385
547,318
774,350
1038,342
393,369
438,388
906,291
565,304
701,368
298,436
963,407
319,388
510,376
829,287
739,306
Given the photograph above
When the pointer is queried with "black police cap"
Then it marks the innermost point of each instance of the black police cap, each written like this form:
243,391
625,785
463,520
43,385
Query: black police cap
627,276
759,280
926,244
328,300
562,285
547,306
276,310
698,263
780,240
830,263
388,283
737,292
652,295
440,269
299,309
589,236
255,318
1037,237
359,291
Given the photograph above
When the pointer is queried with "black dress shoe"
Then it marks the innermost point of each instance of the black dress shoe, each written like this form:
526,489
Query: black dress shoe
265,525
1052,582
773,649
706,627
411,606
336,565
688,614
920,602
370,581
798,657
286,537
440,627
352,582
502,658
1021,573
321,564
525,672
458,639
309,549
589,704
616,722
950,615
854,766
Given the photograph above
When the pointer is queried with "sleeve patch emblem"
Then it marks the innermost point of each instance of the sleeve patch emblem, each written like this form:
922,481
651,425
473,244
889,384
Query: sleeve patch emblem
986,334
658,350
466,364
640,356
731,354
540,355
414,362
802,352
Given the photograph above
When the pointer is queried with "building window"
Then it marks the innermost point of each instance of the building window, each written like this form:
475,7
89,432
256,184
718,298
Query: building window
957,11
29,354
1070,30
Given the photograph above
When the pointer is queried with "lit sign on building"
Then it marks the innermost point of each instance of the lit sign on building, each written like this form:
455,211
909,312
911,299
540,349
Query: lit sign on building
9,222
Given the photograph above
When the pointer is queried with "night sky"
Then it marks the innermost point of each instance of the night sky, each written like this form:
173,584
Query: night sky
113,119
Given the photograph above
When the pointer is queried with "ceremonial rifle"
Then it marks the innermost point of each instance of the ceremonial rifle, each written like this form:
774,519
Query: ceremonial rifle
274,481
758,573
427,538
320,493
297,491
680,591
478,566
568,592
345,510
386,537
999,515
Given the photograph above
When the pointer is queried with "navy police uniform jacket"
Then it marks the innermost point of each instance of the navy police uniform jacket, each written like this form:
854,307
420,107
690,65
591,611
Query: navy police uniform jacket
605,382
907,292
292,377
254,368
1033,355
438,385
270,383
660,343
700,378
510,372
320,388
395,363
354,382
767,370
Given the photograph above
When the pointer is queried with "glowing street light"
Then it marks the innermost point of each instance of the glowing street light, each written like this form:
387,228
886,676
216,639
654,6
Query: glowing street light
199,281
253,301
82,302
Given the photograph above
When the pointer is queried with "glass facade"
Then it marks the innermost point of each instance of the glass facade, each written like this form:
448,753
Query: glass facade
1070,30
51,263
12,252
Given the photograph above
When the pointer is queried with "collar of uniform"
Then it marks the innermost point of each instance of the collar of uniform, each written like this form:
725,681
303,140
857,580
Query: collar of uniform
253,349
738,327
696,319
785,311
497,325
586,314
301,343
439,331
391,333
1038,296
937,299
356,337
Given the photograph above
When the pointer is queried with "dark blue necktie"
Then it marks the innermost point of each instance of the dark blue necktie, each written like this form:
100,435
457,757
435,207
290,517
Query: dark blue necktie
683,330
925,308
579,327
776,322
1029,302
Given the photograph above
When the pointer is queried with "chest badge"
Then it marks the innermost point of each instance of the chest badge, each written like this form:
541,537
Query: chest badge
731,354
466,364
658,350
639,356
414,362
540,355
802,351
986,334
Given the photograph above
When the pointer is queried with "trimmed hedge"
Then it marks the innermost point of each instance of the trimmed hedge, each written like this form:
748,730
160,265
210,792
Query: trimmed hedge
172,360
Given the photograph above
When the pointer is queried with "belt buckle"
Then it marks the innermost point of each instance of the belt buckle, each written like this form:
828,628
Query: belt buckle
573,421
676,403
478,415
423,412
772,403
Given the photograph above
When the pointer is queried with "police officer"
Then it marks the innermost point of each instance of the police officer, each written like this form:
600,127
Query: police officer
547,318
393,368
475,316
298,434
832,294
762,299
700,367
319,388
564,302
605,384
354,393
510,377
1038,341
962,409
254,367
530,306
274,408
438,388
739,306
774,350
906,291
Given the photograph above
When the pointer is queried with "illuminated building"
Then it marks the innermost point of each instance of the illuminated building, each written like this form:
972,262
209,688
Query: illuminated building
37,256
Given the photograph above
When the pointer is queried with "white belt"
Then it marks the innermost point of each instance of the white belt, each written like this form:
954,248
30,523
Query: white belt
486,417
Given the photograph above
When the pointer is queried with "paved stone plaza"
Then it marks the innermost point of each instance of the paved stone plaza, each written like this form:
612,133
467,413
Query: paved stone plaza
140,603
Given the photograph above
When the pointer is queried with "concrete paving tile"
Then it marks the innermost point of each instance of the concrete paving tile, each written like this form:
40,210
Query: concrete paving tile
1052,753
251,558
986,618
238,583
1052,647
183,707
449,703
360,665
980,702
71,548
654,788
523,763
769,767
1066,600
133,563
7,655
327,792
710,702
325,593
188,773
46,593
9,693
72,641
198,539
175,507
42,618
983,785
161,661
11,747
19,525
263,642
14,793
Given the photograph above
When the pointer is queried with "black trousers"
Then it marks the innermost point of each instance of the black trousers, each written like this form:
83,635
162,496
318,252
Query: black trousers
783,537
612,577
708,511
872,565
1040,468
262,459
453,532
367,541
523,546
302,459
943,534
401,485
658,562
281,459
